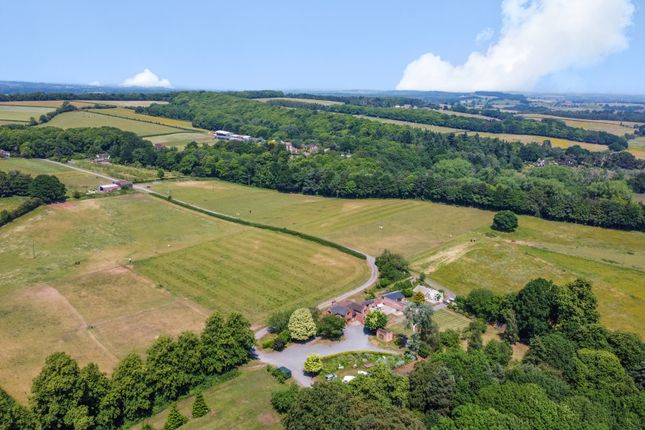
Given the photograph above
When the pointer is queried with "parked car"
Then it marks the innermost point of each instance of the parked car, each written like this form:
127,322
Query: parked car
330,376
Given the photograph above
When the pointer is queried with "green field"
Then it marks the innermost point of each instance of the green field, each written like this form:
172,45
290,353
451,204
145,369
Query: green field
408,226
242,403
129,173
614,127
452,243
123,112
179,140
73,180
10,203
22,113
79,119
450,320
67,284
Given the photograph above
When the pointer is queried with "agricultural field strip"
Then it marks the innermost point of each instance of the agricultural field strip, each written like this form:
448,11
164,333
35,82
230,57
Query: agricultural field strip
142,118
369,259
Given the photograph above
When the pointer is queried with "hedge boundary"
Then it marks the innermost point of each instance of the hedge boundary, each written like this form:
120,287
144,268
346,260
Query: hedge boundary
284,230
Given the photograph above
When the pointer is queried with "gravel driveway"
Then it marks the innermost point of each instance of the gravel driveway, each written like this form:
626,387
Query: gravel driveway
294,356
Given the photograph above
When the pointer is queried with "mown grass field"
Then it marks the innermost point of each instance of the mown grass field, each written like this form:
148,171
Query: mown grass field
129,173
73,180
10,203
82,103
79,119
255,272
242,403
294,99
371,225
123,112
22,113
451,243
67,284
614,127
180,140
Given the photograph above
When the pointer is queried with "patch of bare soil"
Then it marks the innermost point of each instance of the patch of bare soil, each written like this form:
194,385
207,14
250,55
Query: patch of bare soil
268,419
444,257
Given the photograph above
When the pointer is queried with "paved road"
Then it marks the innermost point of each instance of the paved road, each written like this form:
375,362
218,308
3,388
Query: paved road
294,356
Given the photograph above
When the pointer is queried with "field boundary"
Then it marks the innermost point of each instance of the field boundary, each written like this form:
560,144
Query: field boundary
242,221
96,111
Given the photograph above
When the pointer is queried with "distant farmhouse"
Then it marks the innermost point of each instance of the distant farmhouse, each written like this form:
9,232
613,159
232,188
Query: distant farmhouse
159,146
390,303
227,135
101,158
306,150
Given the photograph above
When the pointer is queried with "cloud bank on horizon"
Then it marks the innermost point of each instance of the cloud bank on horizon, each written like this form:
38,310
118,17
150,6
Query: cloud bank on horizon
146,79
538,38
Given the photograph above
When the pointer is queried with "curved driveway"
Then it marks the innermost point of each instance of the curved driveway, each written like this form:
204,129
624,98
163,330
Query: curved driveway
294,356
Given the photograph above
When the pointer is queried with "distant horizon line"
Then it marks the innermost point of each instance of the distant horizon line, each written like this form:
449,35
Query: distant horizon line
316,90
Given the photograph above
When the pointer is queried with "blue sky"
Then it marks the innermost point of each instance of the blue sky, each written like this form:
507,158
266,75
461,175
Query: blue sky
286,44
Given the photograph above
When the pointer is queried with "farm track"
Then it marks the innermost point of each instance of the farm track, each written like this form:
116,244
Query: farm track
370,260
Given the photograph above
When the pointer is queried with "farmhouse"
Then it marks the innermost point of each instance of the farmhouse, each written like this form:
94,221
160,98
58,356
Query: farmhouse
393,302
4,154
430,294
306,150
350,311
227,135
159,146
101,158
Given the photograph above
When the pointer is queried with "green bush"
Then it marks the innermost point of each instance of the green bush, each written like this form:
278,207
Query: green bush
504,221
200,408
175,419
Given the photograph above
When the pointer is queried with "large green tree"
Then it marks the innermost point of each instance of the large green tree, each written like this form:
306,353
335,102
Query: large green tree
302,325
432,388
47,188
375,319
325,406
535,307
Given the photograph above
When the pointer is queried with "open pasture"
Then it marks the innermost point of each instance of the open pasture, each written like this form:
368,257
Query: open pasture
452,243
22,113
123,112
10,203
122,103
68,285
255,272
120,171
73,179
180,140
80,119
618,128
371,225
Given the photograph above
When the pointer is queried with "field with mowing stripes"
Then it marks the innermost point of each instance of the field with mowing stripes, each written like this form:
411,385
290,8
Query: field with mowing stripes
450,320
453,244
614,127
255,272
371,225
68,285
73,180
123,112
79,119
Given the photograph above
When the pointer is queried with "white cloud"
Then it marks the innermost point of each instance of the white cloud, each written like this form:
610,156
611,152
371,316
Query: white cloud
485,35
146,79
95,84
538,38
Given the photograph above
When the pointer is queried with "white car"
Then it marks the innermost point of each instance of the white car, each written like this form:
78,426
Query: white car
362,372
348,378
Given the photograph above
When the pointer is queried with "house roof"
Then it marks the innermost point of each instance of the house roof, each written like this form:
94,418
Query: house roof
394,295
354,306
339,310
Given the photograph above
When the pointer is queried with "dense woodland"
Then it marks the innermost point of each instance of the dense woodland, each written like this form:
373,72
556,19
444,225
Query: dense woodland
41,189
360,158
507,123
577,375
65,396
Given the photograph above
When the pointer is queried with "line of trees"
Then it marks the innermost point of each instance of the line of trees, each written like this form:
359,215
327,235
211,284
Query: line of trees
576,374
41,189
507,123
65,396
